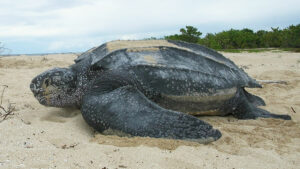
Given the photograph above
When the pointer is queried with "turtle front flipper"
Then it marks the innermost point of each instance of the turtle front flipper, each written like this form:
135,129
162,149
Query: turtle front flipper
128,110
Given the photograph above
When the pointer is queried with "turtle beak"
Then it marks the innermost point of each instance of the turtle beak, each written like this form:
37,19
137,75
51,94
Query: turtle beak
36,86
37,89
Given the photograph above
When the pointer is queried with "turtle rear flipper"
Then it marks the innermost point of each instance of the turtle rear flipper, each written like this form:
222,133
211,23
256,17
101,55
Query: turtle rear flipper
126,109
242,107
255,100
255,112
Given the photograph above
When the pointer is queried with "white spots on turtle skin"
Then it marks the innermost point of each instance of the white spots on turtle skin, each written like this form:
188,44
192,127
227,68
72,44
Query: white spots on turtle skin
163,74
92,113
35,89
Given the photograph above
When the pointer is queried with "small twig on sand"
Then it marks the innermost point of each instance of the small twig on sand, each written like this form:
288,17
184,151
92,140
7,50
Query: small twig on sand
44,59
272,81
70,146
10,108
293,109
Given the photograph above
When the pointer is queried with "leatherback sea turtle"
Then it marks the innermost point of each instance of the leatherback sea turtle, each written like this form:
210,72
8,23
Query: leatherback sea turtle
142,88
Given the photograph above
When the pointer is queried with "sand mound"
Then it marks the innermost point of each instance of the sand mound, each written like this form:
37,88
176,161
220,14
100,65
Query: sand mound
59,138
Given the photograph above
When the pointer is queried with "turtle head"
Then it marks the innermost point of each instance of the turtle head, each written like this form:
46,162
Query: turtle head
55,87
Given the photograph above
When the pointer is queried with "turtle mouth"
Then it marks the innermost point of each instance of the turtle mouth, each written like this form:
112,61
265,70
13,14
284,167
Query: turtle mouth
50,99
43,100
43,95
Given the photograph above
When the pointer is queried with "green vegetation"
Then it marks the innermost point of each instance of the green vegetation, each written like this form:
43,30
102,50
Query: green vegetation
229,41
291,49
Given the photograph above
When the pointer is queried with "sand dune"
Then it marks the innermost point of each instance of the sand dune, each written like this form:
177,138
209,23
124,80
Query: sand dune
43,137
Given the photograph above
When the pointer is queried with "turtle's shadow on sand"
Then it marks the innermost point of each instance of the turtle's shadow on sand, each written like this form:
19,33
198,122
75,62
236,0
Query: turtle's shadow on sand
60,115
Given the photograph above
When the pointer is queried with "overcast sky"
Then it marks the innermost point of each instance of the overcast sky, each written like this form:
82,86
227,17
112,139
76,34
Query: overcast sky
43,26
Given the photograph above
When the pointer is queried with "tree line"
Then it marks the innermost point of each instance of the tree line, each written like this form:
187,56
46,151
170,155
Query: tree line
241,39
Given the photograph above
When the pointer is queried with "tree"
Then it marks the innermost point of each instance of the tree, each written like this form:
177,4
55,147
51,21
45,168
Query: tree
188,34
291,37
210,41
275,38
261,39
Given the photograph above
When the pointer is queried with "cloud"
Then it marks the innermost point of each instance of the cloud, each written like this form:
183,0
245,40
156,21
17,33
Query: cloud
66,22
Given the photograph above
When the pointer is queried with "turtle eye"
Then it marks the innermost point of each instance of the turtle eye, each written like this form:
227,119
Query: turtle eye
47,82
56,80
68,77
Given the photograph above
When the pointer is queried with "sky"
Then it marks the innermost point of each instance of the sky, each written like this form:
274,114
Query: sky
53,26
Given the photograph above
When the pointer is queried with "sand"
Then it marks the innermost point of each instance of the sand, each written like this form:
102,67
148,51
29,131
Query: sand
43,137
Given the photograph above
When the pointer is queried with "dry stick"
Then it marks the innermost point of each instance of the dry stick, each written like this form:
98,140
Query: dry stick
5,86
272,81
7,114
293,109
10,110
1,100
3,110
